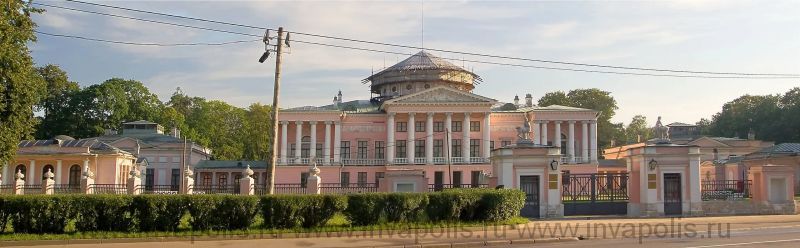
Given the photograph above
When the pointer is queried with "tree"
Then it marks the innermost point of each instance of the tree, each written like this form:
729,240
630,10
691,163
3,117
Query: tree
759,114
257,127
58,115
220,127
508,107
554,98
638,130
21,86
704,126
142,104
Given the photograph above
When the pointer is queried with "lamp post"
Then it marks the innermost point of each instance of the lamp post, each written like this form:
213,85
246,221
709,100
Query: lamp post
553,164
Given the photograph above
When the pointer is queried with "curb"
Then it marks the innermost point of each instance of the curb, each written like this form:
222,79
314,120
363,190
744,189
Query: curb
490,243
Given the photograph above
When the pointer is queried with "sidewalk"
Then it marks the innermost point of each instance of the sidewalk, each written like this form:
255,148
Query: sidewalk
541,230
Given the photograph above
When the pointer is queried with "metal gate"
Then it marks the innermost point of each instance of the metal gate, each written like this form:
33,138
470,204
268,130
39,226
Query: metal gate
673,203
595,194
530,185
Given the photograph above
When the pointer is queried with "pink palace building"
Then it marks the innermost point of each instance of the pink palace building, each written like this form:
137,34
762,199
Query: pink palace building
421,109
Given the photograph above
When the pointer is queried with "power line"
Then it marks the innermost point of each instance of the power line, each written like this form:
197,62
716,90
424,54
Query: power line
146,44
445,50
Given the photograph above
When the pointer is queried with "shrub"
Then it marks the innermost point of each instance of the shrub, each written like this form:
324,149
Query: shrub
289,211
203,209
159,212
401,207
453,205
40,213
237,212
103,213
501,205
365,209
5,213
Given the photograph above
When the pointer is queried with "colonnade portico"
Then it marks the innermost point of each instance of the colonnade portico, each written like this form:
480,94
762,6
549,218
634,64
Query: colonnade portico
329,156
588,142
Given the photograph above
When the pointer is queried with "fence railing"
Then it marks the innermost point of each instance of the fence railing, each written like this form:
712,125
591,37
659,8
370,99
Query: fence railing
338,188
725,189
281,188
7,189
117,189
215,189
32,189
594,187
67,188
161,189
439,187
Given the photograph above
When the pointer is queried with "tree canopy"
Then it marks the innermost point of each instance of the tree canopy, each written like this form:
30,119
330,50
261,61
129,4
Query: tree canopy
769,117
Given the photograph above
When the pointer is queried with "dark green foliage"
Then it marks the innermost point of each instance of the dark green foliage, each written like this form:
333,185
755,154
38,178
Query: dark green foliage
41,213
103,213
453,205
203,208
500,205
402,207
221,212
5,213
365,209
289,211
159,212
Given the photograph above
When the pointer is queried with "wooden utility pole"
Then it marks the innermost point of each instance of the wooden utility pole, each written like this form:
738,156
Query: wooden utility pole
273,158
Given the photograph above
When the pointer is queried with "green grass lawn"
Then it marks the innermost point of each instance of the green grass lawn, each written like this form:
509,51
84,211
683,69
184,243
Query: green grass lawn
337,224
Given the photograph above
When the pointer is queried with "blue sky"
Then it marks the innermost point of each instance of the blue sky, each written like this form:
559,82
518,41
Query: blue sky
732,36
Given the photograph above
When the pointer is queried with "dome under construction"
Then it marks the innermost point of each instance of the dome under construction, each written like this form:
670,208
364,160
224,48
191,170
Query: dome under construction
419,72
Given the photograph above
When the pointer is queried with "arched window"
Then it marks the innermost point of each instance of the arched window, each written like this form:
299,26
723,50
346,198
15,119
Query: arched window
74,175
223,179
20,168
206,178
45,169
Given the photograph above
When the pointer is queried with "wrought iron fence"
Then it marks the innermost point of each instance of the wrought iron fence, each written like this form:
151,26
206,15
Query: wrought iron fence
32,189
116,189
338,188
594,187
7,189
281,188
439,187
725,189
67,188
161,189
215,189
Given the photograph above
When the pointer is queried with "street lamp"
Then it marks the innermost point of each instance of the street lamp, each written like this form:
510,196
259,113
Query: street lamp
554,165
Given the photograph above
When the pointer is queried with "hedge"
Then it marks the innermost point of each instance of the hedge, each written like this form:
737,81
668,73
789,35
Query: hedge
126,213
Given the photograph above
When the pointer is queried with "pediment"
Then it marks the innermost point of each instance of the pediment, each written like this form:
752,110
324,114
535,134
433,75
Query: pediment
707,142
442,95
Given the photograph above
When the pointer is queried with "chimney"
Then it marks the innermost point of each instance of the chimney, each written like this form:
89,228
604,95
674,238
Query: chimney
335,102
516,100
340,96
528,100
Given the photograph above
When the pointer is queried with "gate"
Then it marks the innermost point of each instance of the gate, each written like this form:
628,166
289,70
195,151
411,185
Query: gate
595,194
673,203
530,185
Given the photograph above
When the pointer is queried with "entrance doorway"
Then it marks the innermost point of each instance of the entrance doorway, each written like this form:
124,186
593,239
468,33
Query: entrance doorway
673,199
530,185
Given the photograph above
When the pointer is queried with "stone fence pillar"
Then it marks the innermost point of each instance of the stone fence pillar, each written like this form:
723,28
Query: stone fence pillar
87,180
134,182
19,184
773,188
246,184
314,181
48,184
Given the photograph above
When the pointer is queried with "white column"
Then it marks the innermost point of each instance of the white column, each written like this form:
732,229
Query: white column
465,137
214,178
390,138
337,141
31,179
594,150
584,141
544,132
327,146
298,140
487,135
58,171
448,123
429,138
312,152
537,133
557,134
410,141
571,142
284,141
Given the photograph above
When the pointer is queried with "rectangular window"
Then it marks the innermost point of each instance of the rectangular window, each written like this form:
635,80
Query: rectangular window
438,178
400,149
303,179
378,176
438,126
319,151
176,159
362,148
380,150
292,149
474,148
305,149
362,179
344,150
474,126
456,179
491,145
438,148
162,159
176,179
456,126
476,178
420,126
504,143
149,178
419,148
456,148
344,179
402,126
207,179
